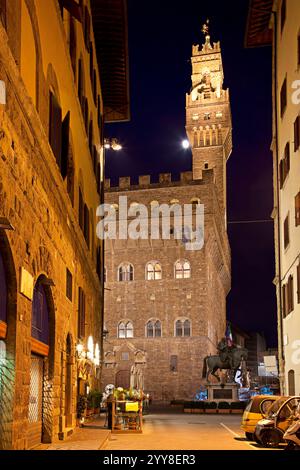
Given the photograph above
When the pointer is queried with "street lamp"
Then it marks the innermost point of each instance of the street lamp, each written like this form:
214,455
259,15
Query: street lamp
112,144
185,144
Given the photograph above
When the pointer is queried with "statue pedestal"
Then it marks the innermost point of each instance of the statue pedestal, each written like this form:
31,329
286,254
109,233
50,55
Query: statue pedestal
226,392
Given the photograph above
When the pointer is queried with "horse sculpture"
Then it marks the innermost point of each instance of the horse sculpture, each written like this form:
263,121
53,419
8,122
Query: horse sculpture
233,361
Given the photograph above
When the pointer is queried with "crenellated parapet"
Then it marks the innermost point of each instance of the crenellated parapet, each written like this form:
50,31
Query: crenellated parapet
164,180
207,48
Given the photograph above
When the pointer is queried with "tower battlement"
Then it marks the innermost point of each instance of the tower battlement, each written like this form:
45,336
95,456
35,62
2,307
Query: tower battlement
207,48
164,180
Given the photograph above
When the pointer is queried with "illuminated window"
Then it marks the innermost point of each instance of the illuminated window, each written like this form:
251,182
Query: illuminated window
182,269
125,330
153,271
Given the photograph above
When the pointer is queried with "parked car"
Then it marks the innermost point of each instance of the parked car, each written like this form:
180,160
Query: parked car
257,405
269,431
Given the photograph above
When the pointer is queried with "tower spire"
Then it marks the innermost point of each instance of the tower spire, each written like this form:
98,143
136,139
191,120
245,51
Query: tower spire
205,31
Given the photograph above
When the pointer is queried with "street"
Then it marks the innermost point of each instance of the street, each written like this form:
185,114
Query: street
185,432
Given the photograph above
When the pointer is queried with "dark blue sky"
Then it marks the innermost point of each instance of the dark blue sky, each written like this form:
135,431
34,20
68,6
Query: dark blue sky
161,34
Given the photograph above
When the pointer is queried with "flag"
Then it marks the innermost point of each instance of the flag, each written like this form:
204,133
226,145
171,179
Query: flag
228,335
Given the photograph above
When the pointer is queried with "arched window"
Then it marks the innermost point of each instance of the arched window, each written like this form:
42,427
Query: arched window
153,271
183,328
182,269
153,329
125,330
40,313
125,272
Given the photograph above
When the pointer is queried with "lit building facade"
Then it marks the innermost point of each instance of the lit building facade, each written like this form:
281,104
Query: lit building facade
51,172
278,23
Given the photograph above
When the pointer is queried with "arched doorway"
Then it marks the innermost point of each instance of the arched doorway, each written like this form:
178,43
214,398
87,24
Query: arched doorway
68,384
8,307
40,371
291,382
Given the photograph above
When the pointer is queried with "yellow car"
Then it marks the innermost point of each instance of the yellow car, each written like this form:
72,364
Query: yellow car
253,412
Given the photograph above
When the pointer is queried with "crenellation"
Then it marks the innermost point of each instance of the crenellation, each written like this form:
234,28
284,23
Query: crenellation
164,180
144,180
124,182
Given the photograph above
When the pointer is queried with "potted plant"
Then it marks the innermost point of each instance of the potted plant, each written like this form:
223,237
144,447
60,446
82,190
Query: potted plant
89,405
81,408
96,401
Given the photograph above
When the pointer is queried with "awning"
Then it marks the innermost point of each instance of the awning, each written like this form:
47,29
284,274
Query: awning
111,38
258,32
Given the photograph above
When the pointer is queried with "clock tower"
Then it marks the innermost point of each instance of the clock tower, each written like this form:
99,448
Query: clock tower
208,115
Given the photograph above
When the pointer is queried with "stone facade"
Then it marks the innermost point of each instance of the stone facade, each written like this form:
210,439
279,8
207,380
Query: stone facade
171,365
42,205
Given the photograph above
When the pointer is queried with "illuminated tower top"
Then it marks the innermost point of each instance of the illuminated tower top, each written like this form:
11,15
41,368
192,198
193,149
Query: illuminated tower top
208,115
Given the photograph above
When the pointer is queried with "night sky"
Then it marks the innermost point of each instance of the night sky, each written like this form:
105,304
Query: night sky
161,34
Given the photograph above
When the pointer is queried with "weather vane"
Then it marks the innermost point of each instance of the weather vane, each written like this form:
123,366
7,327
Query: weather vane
205,28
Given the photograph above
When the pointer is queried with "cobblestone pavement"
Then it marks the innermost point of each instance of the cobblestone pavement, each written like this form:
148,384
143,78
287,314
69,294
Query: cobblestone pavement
185,432
92,436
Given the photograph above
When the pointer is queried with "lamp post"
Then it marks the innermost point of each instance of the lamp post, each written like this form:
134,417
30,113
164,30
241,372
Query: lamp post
108,144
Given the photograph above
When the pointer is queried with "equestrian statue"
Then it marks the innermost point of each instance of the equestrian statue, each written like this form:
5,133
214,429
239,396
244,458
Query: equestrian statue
229,358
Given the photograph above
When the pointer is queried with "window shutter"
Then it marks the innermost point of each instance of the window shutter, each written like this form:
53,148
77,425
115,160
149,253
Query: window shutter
98,179
81,210
297,134
281,173
286,232
72,46
81,313
86,230
55,128
283,97
287,157
291,282
284,310
65,145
